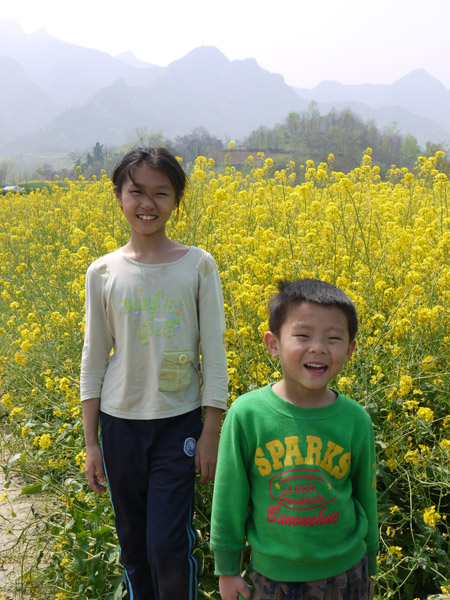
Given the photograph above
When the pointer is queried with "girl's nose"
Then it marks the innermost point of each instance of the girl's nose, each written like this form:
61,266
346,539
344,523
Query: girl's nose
147,200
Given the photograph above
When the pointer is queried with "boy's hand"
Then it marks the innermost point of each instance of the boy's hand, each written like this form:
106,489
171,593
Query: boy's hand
230,586
94,468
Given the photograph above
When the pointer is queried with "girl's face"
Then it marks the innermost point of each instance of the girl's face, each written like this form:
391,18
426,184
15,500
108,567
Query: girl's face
148,202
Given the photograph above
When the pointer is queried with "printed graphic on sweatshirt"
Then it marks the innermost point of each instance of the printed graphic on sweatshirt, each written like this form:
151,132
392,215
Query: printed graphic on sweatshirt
156,315
300,483
302,489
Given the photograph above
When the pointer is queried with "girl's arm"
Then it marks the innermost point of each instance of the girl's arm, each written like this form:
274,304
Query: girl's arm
94,457
208,444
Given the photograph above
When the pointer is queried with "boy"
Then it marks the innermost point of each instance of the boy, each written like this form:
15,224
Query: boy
296,466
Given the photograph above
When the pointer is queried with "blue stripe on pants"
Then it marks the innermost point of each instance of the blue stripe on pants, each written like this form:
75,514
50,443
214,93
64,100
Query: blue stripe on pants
151,477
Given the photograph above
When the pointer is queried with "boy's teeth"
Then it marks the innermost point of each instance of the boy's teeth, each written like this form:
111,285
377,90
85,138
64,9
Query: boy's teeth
147,217
316,366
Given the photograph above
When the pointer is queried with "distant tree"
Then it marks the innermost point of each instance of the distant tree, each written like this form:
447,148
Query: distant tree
151,139
199,142
312,115
310,135
94,161
259,139
443,162
98,152
44,171
4,169
409,152
293,123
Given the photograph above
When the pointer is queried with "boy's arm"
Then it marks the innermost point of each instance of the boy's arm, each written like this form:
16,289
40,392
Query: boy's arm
230,586
231,498
94,457
207,445
364,485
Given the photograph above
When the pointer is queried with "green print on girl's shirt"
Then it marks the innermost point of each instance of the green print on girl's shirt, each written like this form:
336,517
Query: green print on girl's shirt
163,315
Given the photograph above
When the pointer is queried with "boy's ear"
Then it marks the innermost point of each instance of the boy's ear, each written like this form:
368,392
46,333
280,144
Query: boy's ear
350,350
271,341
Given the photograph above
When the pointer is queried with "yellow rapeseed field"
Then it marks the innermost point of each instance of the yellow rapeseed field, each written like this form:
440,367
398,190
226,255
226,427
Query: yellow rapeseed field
384,242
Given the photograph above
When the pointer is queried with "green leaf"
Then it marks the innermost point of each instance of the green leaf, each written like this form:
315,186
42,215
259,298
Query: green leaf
34,488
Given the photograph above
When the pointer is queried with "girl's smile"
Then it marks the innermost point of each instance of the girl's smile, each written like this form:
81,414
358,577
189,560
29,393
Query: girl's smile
147,201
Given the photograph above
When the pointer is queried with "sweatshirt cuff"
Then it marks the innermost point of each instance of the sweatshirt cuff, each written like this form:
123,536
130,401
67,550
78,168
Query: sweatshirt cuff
372,564
227,563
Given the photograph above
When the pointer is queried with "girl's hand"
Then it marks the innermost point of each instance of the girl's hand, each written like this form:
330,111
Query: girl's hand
230,586
208,445
206,455
94,468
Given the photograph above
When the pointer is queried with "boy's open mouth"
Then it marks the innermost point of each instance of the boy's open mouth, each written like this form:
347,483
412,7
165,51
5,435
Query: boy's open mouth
316,367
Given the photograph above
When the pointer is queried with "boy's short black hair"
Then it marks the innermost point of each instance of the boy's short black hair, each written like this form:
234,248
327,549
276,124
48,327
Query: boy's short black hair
293,293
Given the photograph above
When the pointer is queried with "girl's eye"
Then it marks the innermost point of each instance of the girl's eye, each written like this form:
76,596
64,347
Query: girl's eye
335,338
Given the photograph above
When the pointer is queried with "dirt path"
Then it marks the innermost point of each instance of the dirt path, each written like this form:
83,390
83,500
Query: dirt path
11,548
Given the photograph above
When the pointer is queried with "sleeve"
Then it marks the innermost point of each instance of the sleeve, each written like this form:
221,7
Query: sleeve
98,340
365,492
212,335
231,499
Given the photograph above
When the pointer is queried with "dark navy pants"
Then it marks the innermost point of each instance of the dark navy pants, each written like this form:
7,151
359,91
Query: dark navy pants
150,471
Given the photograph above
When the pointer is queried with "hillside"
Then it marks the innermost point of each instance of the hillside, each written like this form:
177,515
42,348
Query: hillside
62,96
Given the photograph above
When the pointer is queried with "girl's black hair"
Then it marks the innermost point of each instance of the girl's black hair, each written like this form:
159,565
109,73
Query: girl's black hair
293,293
156,158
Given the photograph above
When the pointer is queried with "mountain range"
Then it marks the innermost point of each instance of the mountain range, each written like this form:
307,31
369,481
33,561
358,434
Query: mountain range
58,96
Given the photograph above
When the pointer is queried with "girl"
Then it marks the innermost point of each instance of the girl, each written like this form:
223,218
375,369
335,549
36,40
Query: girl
149,305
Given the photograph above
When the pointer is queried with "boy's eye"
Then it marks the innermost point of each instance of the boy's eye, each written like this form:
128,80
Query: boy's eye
335,337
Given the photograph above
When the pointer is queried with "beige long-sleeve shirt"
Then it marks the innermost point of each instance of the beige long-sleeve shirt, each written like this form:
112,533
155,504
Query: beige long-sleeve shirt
145,328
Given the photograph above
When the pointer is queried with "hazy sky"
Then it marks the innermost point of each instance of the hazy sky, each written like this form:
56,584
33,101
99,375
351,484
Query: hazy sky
306,41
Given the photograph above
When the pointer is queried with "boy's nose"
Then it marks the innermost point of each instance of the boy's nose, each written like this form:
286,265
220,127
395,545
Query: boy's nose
317,347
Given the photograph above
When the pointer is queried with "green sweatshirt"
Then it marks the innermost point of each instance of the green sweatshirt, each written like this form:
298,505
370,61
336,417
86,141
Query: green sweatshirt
298,484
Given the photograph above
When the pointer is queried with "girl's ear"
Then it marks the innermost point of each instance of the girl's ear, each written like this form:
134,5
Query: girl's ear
271,341
118,198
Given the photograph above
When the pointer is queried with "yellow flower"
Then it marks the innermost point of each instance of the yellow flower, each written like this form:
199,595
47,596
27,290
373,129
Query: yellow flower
445,444
406,385
395,551
426,414
45,441
412,457
431,517
80,460
17,410
7,402
345,384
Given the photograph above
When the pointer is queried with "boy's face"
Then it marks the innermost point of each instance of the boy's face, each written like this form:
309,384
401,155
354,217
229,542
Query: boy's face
313,346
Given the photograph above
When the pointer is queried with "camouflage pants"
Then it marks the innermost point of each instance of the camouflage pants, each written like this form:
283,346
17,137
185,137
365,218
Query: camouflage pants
354,584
